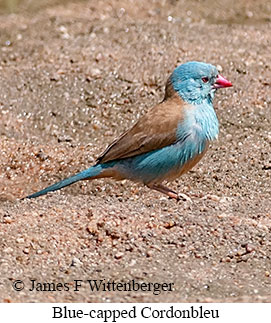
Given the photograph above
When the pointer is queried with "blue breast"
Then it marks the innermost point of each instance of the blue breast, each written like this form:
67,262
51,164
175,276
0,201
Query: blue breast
199,120
199,126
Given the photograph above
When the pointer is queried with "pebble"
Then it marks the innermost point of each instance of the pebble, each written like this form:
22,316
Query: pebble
20,240
76,262
119,255
8,220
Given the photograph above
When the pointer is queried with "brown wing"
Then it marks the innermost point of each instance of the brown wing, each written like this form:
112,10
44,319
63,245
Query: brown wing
156,129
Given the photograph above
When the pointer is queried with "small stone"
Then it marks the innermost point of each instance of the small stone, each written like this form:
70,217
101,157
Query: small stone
8,219
156,247
229,136
150,253
119,255
169,224
76,262
95,72
91,228
219,68
132,263
213,197
20,240
250,248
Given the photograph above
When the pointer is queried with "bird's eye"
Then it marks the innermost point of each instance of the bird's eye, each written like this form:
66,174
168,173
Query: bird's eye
205,79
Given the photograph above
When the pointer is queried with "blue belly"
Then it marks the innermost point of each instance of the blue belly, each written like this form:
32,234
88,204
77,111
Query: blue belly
158,165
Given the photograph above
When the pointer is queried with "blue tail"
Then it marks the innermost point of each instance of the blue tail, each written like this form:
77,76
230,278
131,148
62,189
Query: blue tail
88,173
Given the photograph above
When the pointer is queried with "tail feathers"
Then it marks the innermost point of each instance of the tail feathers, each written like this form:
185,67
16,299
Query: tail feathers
88,173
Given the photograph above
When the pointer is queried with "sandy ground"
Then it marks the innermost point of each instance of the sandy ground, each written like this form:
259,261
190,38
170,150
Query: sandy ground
73,76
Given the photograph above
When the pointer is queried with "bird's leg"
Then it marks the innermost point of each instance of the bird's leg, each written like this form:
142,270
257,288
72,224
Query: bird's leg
165,190
170,193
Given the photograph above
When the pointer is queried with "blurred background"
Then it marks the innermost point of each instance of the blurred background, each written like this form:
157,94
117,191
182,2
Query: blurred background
227,11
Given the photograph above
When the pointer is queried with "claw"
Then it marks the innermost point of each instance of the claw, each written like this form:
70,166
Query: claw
184,197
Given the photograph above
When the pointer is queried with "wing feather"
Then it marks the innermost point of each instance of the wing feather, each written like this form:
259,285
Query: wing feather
155,130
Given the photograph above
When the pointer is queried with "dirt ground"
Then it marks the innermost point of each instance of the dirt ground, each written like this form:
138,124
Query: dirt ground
76,74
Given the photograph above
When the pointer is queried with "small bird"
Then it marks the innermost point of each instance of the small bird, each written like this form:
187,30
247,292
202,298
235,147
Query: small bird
168,140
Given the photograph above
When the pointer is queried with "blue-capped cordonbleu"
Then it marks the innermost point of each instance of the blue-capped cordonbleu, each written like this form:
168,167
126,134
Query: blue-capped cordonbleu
168,140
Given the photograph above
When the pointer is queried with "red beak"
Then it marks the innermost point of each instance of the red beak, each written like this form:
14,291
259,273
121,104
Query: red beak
221,82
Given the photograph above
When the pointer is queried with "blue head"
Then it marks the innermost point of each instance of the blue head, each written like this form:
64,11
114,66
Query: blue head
196,82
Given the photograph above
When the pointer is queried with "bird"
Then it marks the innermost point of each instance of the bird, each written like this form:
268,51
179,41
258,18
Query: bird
168,140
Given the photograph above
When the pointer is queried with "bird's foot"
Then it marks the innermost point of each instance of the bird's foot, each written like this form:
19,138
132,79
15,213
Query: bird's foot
170,193
184,197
